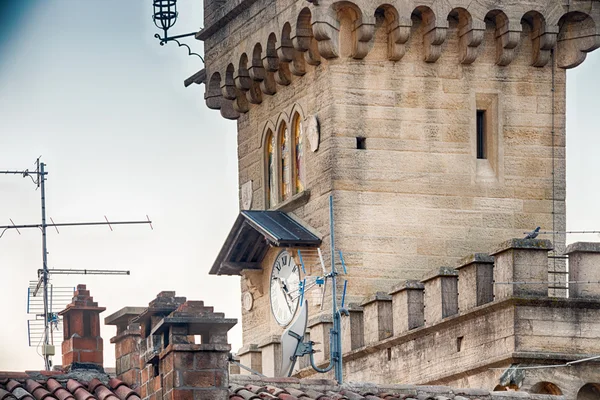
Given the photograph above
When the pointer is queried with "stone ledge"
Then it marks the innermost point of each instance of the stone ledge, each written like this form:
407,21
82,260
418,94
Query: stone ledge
583,247
379,296
407,285
297,200
124,334
123,315
249,348
441,271
319,319
524,244
208,347
479,258
274,339
354,307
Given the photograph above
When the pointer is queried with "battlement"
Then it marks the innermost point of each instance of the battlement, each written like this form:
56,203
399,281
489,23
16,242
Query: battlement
253,48
483,316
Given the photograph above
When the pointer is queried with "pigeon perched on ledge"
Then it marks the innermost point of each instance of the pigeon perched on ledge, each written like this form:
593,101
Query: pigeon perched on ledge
533,234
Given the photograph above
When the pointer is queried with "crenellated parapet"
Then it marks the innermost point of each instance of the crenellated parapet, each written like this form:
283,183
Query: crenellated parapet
255,47
501,315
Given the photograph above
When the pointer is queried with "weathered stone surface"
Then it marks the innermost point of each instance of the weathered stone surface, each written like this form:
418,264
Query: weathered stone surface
408,78
584,269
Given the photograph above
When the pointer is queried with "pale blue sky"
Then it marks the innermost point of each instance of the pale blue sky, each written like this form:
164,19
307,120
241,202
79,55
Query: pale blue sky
85,84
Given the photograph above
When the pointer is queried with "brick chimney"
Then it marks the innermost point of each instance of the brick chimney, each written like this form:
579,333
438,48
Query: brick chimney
82,346
127,344
175,366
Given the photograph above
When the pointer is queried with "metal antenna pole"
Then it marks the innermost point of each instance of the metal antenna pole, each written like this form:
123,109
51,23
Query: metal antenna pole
336,332
42,185
44,273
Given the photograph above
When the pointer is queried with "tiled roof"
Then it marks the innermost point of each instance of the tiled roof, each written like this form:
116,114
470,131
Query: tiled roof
24,386
249,387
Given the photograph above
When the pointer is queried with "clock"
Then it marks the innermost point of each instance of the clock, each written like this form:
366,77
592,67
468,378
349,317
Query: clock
285,279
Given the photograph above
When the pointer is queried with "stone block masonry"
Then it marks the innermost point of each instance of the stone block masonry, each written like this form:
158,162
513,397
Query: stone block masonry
409,80
472,346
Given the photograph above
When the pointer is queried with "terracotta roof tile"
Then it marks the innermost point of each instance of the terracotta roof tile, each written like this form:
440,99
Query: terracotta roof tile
124,393
285,396
296,392
58,390
266,396
38,391
4,394
21,393
12,384
275,391
35,385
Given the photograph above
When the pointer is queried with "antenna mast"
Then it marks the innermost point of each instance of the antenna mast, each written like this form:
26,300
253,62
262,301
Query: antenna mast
42,186
296,347
40,174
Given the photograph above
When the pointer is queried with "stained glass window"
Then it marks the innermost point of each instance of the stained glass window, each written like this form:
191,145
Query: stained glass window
271,171
299,152
286,188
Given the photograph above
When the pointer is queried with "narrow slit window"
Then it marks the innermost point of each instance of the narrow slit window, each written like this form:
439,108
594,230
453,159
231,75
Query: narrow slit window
481,135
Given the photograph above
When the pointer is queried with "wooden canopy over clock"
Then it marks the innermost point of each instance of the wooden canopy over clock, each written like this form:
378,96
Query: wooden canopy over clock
254,232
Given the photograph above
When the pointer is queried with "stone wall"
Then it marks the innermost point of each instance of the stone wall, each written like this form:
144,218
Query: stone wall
408,79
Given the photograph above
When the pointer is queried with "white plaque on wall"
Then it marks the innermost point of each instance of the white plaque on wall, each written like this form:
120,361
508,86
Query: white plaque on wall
247,195
312,132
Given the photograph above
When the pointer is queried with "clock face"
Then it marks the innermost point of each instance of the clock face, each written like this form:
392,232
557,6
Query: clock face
285,278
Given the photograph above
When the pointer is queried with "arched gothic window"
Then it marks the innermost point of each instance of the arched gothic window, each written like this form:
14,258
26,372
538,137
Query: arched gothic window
285,172
284,162
271,170
298,154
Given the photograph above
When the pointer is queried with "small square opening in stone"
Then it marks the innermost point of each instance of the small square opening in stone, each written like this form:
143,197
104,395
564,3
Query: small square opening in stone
361,143
459,341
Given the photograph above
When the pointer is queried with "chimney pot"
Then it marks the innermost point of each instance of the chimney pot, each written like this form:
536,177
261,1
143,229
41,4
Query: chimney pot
82,346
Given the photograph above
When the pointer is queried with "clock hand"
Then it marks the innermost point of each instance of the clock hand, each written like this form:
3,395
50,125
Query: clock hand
285,293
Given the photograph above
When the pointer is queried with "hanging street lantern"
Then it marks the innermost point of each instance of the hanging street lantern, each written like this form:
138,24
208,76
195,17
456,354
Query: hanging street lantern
164,17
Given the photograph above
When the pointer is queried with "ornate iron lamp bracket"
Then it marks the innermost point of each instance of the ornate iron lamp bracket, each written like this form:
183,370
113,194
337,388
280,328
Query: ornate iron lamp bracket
164,17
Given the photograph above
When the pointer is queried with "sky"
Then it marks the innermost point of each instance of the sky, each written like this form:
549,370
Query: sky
85,85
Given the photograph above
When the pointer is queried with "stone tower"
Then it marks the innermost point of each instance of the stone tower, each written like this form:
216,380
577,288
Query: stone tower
437,126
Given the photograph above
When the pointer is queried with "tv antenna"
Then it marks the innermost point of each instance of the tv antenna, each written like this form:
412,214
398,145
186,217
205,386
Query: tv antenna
39,178
292,340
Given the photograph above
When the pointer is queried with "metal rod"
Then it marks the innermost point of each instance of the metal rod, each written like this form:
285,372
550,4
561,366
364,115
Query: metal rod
165,39
547,283
563,232
246,368
42,184
60,271
22,172
75,224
